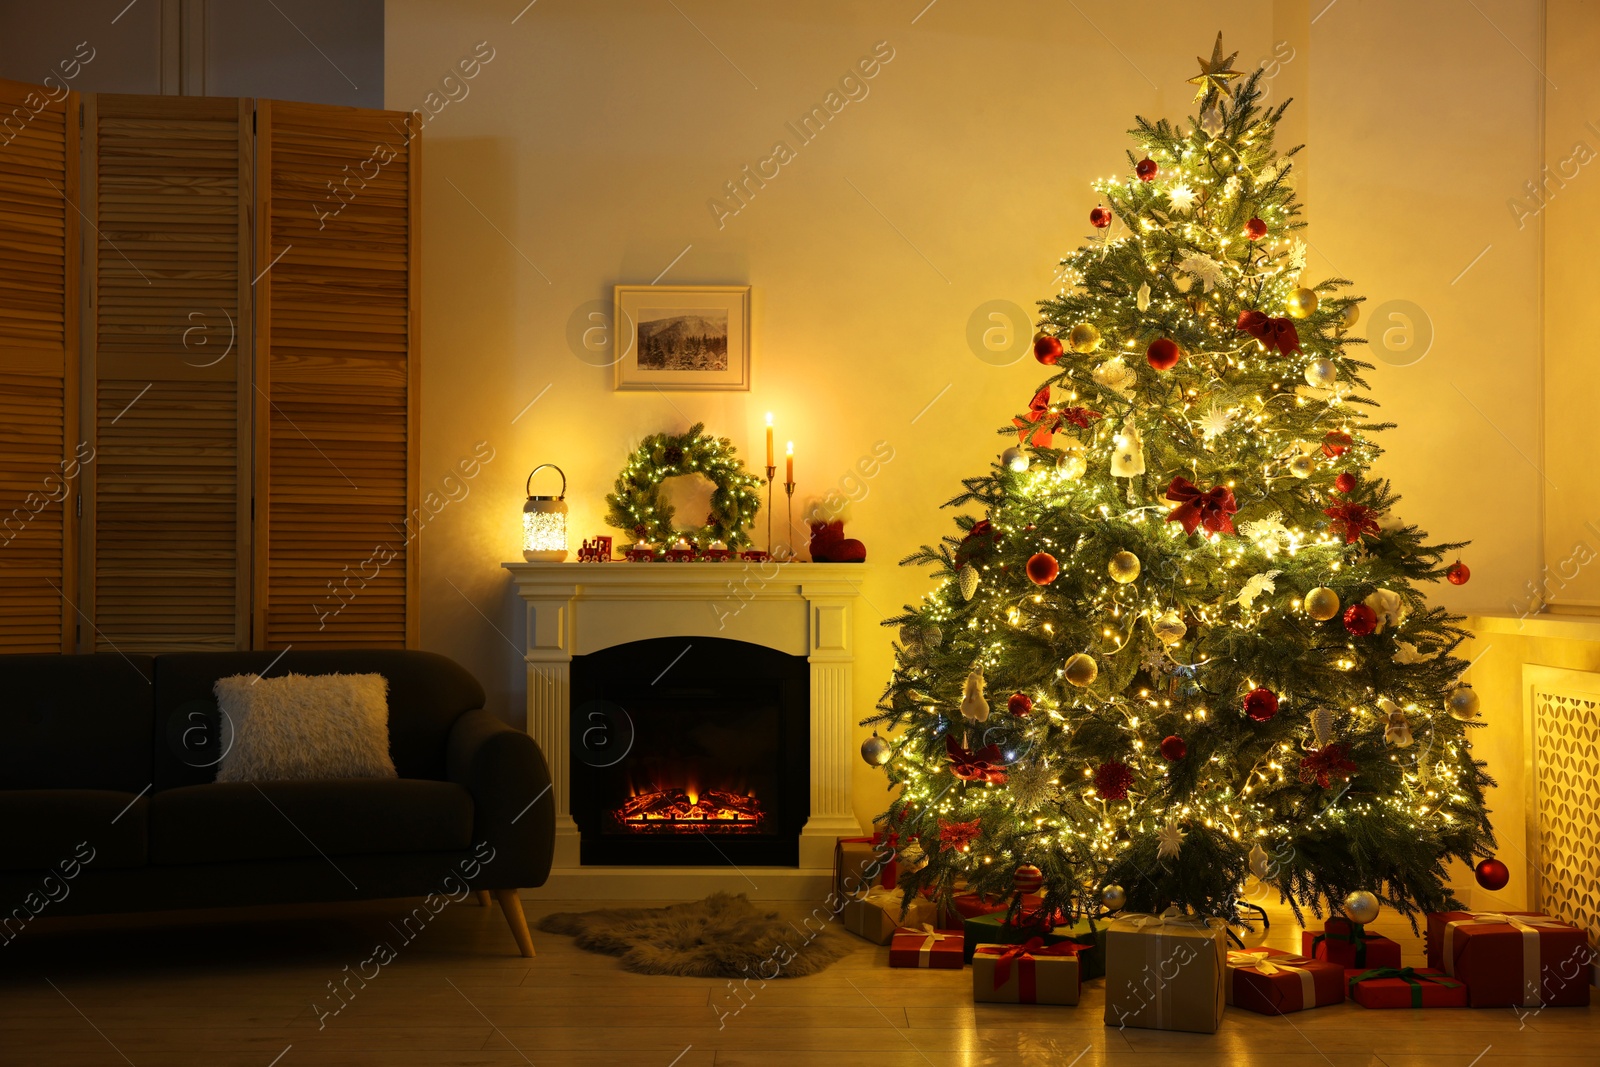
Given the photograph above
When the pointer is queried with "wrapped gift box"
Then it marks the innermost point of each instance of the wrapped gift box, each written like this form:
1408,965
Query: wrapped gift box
878,913
926,947
993,929
1350,946
858,865
1506,959
1166,972
1274,982
1029,973
1405,987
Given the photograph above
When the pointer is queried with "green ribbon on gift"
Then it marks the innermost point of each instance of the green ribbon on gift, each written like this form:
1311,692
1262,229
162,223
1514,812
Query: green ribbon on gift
1357,937
1407,975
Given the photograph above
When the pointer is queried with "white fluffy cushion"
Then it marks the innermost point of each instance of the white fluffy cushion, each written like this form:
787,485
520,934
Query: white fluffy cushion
305,726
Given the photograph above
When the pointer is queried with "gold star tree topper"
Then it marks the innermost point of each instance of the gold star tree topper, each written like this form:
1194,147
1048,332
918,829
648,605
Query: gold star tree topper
1215,73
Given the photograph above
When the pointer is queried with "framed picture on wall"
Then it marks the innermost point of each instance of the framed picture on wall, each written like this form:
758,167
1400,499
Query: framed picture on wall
686,337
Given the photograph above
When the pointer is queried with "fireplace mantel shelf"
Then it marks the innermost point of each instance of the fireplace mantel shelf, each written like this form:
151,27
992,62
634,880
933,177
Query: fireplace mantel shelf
801,609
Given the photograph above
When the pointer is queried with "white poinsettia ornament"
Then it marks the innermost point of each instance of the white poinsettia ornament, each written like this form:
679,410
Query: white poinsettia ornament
1114,374
1169,840
1388,607
1256,585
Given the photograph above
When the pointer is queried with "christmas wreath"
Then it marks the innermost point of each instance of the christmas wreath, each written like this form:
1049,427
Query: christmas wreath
636,506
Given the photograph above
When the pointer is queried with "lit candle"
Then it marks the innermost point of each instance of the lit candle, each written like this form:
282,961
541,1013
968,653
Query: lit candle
769,438
790,461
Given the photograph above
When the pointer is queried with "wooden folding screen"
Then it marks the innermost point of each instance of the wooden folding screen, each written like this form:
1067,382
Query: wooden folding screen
337,382
243,446
167,351
42,456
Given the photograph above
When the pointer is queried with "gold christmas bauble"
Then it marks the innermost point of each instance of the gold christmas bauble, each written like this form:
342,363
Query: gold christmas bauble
1302,466
1322,603
1083,338
1348,317
1124,567
1361,907
1301,303
1072,465
1082,670
1321,373
1114,898
1463,703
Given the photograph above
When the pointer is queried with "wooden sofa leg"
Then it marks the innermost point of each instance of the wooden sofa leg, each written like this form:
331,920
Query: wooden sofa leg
511,906
483,898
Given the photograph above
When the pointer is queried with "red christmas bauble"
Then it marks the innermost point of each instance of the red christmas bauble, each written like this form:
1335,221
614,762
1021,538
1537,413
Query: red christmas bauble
1100,218
1458,574
1020,704
1027,879
1345,482
1163,353
1360,619
1047,349
1255,229
1042,568
1146,169
1111,780
1173,748
1261,704
1492,874
1335,444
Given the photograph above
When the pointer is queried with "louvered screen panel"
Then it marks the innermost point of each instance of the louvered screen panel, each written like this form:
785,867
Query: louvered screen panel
40,454
172,184
336,332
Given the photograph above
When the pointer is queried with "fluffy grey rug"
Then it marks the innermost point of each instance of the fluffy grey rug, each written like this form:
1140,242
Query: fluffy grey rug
723,936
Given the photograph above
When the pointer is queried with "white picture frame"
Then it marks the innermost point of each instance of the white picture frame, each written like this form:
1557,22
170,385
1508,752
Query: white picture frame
682,338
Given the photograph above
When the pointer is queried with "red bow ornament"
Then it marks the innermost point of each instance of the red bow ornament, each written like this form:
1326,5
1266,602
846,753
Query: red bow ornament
1323,765
1037,427
1212,509
979,765
1279,334
1351,521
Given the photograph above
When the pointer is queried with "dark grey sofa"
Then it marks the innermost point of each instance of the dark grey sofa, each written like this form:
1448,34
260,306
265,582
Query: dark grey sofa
108,801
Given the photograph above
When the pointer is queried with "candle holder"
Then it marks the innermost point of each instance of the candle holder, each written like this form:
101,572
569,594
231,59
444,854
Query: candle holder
772,472
788,489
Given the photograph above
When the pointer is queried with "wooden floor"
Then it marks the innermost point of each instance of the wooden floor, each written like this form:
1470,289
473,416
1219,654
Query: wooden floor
458,994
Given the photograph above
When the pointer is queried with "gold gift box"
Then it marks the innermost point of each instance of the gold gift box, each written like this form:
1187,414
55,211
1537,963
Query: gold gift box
1166,972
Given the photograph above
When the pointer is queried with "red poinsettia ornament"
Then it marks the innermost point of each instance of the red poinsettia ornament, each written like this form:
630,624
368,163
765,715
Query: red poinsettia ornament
1323,765
1351,521
958,836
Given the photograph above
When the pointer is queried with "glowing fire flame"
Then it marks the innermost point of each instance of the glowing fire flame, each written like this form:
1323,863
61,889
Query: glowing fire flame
688,808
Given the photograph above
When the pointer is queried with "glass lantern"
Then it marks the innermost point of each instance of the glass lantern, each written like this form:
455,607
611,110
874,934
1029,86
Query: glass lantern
544,522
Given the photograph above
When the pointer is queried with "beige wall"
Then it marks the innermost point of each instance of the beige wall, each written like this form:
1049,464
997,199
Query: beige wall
591,143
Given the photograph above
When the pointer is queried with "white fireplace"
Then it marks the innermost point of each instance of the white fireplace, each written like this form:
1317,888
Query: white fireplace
801,609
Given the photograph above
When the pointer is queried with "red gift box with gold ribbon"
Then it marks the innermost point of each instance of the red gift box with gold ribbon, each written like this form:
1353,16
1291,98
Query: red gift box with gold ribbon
1511,959
1029,973
926,947
1274,982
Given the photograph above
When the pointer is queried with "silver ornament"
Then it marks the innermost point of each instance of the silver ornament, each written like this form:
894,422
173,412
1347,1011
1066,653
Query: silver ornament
875,750
911,638
1361,907
968,577
1014,459
1114,897
1463,704
1321,373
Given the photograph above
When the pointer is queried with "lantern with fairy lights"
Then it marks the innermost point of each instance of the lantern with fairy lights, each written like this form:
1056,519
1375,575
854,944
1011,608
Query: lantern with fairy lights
544,522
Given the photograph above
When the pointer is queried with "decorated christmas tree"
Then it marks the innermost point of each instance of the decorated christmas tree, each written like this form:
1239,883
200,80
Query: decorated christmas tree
1184,642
